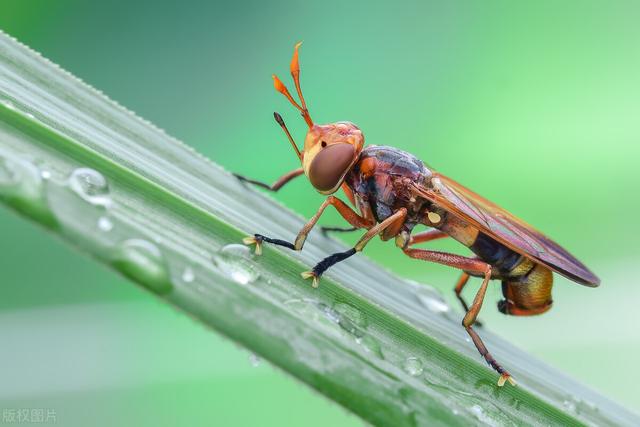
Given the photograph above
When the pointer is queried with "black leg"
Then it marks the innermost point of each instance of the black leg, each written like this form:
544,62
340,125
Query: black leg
326,230
324,265
397,218
258,239
284,179
345,211
254,182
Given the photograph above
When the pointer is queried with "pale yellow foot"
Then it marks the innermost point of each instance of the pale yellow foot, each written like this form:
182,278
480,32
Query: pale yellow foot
310,274
504,378
251,240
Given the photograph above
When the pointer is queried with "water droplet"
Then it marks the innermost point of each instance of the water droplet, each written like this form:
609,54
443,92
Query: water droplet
577,405
349,318
413,366
143,262
569,405
307,308
19,178
21,185
30,116
105,224
255,360
91,185
45,174
432,301
371,345
350,312
188,275
479,413
236,261
329,313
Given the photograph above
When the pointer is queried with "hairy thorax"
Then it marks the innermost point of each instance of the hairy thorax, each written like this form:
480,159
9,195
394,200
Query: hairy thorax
379,181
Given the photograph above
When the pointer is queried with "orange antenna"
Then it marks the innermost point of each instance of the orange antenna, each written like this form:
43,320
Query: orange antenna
278,118
280,87
295,73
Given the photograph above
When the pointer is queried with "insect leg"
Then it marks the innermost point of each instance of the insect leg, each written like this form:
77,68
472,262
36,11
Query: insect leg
462,281
468,321
333,259
470,265
349,193
433,234
427,236
326,230
404,240
284,179
345,211
397,217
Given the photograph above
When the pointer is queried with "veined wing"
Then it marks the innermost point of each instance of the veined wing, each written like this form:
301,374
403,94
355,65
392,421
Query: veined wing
506,228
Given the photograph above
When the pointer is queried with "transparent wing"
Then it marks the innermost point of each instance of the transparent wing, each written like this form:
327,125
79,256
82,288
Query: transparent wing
506,228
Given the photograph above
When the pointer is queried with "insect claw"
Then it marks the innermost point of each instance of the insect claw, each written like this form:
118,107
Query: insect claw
251,240
504,378
311,274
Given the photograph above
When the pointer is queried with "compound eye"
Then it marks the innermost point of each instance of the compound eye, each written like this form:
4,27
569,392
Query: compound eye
330,165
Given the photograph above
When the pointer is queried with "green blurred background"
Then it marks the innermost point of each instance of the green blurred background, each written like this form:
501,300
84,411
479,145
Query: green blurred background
537,107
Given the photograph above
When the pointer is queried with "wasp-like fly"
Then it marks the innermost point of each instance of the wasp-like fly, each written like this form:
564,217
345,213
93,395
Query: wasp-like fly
393,191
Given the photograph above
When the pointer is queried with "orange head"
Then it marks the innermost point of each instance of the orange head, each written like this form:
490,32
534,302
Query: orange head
329,151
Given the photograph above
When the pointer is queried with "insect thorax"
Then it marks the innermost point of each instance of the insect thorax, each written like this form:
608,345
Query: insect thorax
380,179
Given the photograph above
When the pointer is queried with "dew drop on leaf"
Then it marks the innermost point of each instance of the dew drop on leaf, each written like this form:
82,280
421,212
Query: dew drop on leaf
188,275
143,262
482,416
413,366
237,262
371,345
19,178
105,224
22,187
569,405
90,185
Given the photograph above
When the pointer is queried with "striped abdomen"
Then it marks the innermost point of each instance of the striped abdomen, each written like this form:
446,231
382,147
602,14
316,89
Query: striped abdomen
526,285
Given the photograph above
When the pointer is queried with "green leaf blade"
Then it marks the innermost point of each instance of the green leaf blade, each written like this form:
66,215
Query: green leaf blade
364,338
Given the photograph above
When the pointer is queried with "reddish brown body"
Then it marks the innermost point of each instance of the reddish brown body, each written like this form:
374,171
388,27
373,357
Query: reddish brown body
380,184
393,191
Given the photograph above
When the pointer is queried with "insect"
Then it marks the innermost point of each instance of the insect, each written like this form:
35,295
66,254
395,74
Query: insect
392,192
